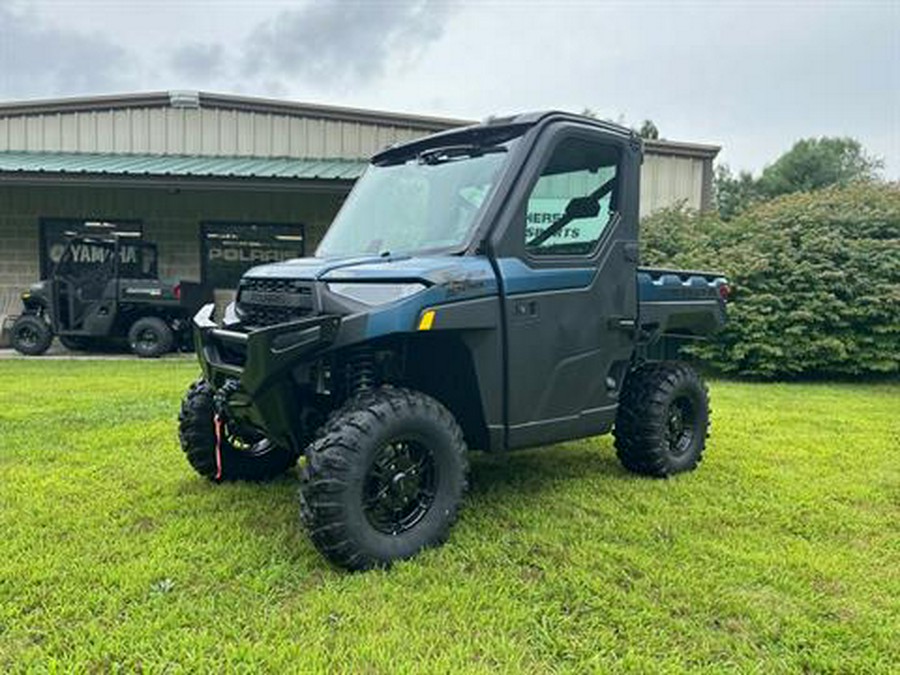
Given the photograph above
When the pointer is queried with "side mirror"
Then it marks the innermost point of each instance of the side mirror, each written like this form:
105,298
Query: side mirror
582,207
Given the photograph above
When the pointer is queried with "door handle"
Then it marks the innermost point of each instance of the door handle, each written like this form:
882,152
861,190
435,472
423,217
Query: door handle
526,309
631,251
621,323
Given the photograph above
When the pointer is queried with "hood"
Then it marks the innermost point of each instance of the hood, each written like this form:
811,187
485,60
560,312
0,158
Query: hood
307,269
428,269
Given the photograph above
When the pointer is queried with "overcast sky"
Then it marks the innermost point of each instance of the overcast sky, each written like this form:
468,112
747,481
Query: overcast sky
750,76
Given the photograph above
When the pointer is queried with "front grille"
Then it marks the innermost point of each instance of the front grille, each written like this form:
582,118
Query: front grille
265,302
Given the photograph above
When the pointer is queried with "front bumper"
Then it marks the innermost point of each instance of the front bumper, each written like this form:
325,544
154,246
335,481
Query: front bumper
254,372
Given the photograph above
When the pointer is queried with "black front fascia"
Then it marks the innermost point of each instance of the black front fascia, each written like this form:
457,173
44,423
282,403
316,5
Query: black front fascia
260,362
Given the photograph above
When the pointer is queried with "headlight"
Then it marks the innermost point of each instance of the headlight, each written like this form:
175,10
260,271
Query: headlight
375,294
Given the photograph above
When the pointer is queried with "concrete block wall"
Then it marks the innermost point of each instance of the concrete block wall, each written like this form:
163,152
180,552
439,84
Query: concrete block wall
18,264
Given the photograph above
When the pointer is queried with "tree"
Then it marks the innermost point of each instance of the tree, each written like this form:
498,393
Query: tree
648,130
734,193
816,163
593,114
815,280
811,164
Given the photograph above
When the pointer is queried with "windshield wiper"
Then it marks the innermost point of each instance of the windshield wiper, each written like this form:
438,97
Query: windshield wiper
448,153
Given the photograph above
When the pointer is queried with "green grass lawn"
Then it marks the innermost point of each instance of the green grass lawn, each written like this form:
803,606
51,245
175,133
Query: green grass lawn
780,554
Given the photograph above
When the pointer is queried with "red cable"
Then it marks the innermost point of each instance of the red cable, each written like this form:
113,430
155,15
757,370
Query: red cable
218,426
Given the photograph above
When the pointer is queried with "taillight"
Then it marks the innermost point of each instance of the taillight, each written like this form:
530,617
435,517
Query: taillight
724,291
177,291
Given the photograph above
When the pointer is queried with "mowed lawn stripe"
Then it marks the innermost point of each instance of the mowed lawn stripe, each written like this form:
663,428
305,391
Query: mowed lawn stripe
780,554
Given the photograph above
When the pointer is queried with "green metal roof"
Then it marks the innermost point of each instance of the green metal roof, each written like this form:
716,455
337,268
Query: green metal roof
172,165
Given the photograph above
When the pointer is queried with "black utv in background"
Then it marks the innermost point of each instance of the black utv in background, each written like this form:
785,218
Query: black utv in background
479,289
104,291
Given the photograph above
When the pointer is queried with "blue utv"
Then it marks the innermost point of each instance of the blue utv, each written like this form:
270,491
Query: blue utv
479,289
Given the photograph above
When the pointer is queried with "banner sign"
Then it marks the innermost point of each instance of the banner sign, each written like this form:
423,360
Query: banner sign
56,232
230,249
543,212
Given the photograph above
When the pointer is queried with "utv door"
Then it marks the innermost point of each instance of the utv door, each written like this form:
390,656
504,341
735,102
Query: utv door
567,256
80,286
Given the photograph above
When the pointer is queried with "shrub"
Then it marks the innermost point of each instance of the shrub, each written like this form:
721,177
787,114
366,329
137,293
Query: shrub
815,276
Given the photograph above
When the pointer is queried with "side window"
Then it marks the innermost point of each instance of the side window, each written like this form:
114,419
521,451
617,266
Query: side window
574,200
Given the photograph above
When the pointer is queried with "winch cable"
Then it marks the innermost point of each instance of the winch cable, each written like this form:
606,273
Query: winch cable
217,423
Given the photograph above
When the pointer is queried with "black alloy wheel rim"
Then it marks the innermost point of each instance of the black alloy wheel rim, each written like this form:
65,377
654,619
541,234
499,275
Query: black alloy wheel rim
254,445
399,486
28,337
681,425
148,339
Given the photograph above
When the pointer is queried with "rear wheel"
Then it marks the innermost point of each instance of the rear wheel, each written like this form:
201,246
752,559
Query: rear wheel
31,335
150,337
384,480
663,418
240,455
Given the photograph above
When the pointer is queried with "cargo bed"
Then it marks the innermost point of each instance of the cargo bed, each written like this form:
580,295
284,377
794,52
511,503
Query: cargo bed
682,303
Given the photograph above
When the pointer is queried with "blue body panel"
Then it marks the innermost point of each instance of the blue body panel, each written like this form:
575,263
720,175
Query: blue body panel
657,285
446,278
458,278
520,278
449,279
307,269
475,271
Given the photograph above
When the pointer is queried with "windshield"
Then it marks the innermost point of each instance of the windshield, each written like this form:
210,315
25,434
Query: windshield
427,203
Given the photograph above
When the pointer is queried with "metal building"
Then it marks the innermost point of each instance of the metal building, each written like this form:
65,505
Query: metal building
218,182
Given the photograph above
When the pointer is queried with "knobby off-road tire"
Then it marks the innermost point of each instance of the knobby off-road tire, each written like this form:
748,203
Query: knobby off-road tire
150,337
663,419
31,335
252,459
384,479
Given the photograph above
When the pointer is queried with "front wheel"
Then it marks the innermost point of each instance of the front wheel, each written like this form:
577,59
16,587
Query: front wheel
662,421
223,454
384,480
31,335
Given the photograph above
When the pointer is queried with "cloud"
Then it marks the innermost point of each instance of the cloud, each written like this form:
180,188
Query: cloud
338,45
198,61
753,77
37,59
